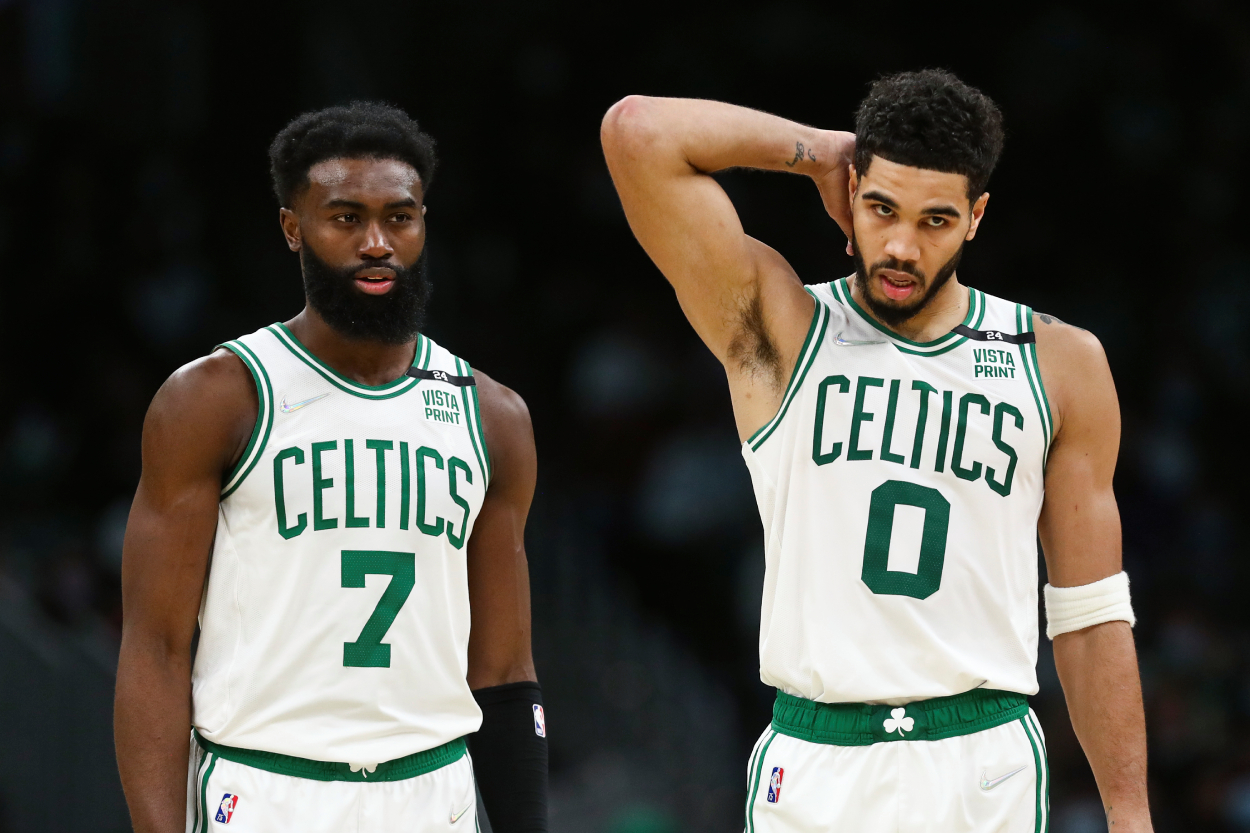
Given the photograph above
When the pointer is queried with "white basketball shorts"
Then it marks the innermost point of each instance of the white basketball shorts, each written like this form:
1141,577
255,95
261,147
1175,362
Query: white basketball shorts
243,791
990,781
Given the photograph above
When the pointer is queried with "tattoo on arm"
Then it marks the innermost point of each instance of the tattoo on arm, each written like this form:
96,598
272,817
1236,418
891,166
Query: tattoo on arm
1052,319
799,153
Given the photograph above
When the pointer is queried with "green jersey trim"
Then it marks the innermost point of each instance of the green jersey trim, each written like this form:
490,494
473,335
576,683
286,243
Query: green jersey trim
201,817
807,355
1028,355
473,420
976,313
863,724
1042,762
400,769
755,787
264,417
392,388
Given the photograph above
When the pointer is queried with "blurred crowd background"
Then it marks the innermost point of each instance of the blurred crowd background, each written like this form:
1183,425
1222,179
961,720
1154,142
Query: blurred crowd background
137,230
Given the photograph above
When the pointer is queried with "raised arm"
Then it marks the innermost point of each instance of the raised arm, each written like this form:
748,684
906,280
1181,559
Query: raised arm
743,299
196,428
510,757
1080,533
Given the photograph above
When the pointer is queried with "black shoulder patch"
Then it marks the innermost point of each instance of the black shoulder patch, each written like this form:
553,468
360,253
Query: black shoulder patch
441,376
995,335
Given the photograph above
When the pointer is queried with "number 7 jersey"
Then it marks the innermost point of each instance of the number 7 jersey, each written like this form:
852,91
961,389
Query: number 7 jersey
335,621
899,486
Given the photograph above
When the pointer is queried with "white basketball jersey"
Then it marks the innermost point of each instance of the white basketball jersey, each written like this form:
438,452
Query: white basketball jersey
335,622
899,486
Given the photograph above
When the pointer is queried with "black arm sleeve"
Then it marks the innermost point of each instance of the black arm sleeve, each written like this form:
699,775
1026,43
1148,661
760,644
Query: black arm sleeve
510,757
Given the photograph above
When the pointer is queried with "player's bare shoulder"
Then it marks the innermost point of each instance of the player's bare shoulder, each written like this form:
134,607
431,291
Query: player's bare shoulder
209,404
1074,369
508,430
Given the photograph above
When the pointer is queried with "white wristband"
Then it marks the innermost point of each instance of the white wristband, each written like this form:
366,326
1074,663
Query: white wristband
1073,608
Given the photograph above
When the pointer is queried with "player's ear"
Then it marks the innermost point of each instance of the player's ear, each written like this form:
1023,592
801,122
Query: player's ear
290,229
852,184
978,211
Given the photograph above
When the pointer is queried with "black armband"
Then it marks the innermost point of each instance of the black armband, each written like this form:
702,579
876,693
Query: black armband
510,757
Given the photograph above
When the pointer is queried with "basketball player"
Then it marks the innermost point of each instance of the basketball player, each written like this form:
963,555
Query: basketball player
342,503
908,437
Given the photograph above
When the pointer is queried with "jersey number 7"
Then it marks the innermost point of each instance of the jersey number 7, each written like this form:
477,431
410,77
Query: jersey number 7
368,651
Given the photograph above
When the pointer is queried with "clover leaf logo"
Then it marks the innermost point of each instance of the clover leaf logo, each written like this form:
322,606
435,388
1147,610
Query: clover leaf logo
897,722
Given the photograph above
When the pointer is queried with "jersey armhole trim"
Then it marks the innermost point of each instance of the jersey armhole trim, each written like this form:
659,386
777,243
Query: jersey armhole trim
811,346
264,417
1028,354
473,421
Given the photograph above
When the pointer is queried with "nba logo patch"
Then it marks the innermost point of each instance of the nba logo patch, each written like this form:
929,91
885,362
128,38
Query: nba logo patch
540,722
226,810
774,785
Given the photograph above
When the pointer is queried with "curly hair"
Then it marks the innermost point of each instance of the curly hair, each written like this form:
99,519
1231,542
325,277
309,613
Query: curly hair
930,119
360,130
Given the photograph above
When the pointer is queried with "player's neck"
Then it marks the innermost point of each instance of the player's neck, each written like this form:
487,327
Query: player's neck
366,362
945,311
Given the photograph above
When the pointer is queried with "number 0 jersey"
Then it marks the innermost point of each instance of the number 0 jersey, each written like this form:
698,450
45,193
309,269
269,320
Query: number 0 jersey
335,622
900,485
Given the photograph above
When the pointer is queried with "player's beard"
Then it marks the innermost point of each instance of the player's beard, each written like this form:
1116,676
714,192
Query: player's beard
393,318
889,312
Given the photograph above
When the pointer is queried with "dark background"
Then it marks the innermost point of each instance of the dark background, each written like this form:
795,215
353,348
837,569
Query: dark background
137,230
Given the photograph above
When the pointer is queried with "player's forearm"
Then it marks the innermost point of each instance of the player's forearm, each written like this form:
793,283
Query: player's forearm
151,725
711,136
1098,669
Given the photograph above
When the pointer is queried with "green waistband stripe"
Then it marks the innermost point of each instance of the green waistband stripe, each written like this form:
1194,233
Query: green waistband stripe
400,769
861,724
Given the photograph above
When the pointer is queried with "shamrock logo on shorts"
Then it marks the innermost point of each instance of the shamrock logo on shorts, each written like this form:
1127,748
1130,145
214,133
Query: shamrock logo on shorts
897,722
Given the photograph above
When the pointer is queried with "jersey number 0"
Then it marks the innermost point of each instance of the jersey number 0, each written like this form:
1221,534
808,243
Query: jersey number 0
937,514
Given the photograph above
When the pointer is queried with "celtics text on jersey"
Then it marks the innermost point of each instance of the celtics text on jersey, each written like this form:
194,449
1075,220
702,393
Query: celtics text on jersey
335,621
899,486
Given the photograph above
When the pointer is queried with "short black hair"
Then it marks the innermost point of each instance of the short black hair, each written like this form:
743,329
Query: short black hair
930,119
360,130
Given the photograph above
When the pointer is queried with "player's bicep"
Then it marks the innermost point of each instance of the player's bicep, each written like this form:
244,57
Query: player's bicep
1080,521
499,597
189,437
685,222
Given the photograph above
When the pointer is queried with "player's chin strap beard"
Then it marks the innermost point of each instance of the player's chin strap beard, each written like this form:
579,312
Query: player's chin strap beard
889,313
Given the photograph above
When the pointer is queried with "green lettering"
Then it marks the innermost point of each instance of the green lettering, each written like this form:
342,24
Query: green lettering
861,416
844,384
426,528
973,473
1000,410
404,480
944,432
349,460
279,494
917,444
380,447
453,464
320,484
888,433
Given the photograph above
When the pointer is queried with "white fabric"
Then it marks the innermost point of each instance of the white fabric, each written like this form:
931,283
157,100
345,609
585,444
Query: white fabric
1073,608
285,598
266,801
825,633
903,787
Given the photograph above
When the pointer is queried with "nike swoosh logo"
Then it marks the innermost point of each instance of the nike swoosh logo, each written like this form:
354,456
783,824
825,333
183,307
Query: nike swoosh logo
841,342
286,409
988,785
455,817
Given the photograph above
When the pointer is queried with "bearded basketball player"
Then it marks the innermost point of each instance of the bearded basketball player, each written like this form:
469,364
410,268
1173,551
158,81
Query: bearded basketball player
909,438
340,502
